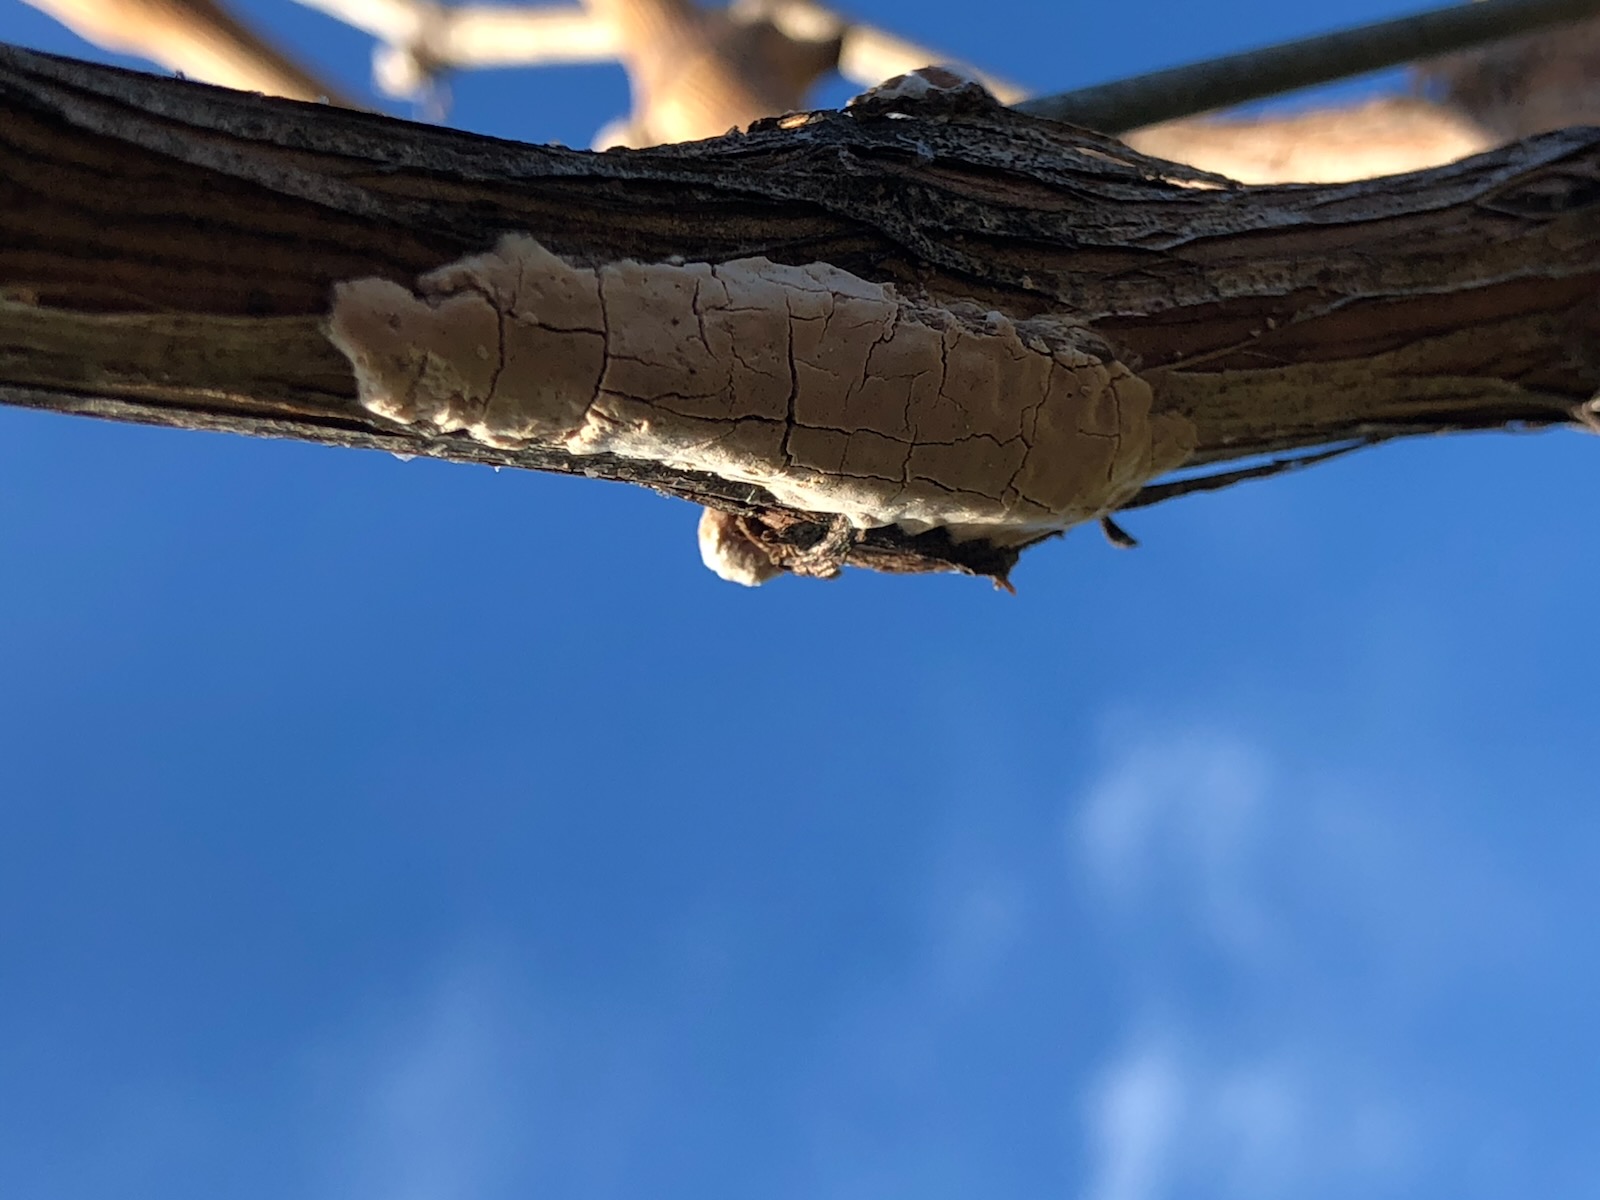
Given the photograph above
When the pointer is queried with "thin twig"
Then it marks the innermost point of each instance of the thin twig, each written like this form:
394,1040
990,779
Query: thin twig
1158,493
1201,87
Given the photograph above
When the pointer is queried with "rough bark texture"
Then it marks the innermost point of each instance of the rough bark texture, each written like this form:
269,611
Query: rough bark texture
168,251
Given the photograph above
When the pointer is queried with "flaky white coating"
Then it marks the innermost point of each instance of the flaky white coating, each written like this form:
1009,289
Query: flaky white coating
835,394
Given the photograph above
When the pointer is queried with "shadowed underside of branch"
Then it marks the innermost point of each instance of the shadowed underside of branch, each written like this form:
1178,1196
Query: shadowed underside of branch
168,252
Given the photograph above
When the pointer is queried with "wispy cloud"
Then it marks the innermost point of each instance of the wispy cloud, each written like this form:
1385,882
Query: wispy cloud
1239,1080
477,1085
1163,1120
1181,814
1135,1117
972,936
1220,984
433,1097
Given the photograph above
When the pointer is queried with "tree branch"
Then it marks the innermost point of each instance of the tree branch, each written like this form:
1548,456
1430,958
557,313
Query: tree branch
1254,74
201,38
1386,136
170,251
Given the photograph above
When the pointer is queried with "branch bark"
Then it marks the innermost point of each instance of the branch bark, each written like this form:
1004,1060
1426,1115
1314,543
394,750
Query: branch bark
168,252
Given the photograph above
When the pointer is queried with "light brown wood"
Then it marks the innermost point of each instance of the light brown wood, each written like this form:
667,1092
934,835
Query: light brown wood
200,38
1385,136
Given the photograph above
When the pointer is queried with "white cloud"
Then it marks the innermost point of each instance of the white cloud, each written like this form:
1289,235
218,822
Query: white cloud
1134,1114
1231,986
1164,1121
1242,1080
1185,813
433,1098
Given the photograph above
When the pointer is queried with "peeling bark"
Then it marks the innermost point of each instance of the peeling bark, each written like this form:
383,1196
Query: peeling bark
168,254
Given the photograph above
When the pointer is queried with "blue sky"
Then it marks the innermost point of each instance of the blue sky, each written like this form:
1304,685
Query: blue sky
406,831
